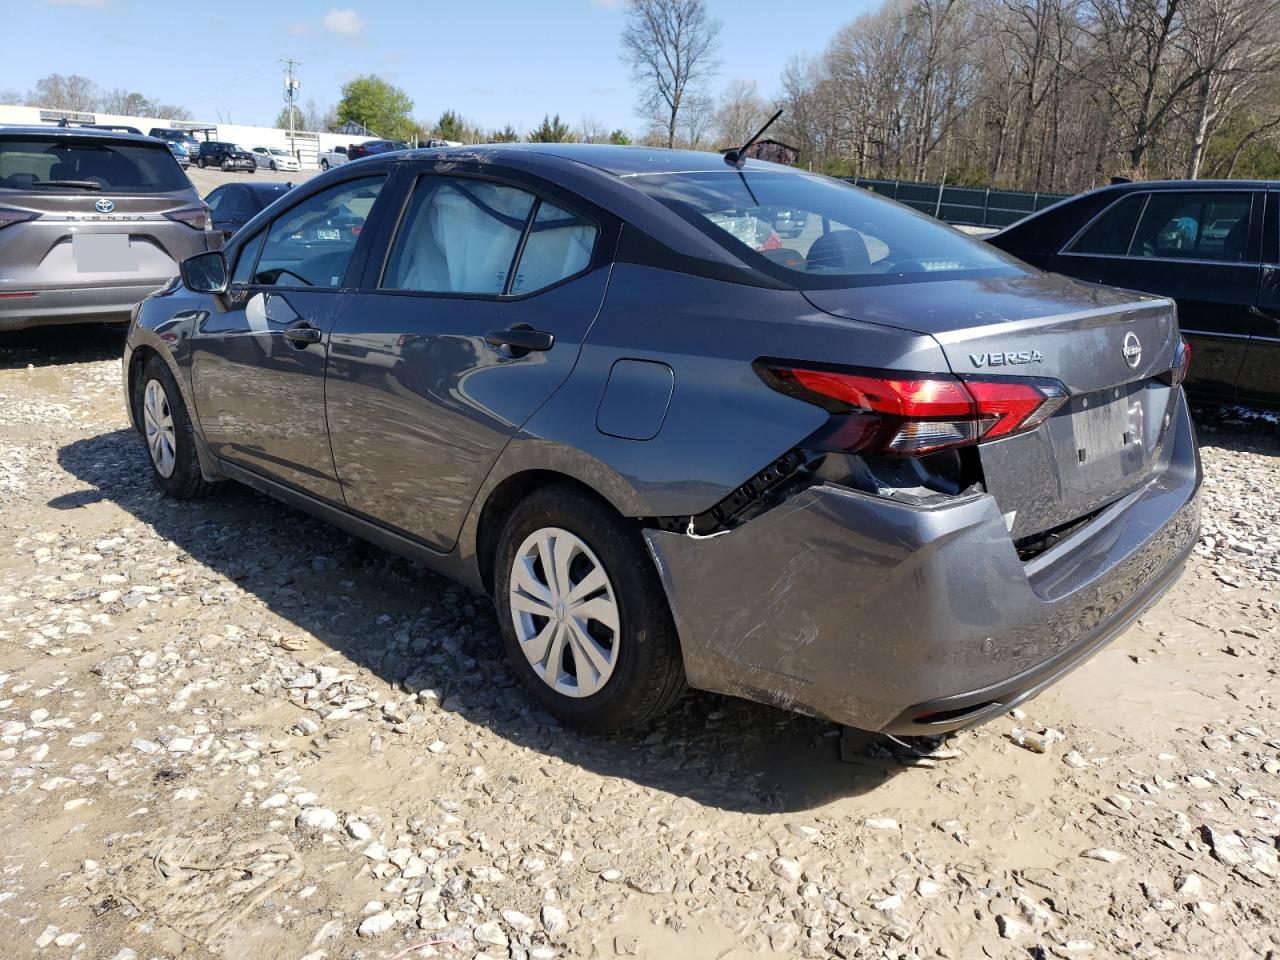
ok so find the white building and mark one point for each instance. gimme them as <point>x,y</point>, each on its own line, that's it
<point>305,145</point>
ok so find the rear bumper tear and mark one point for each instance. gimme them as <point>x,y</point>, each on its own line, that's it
<point>875,613</point>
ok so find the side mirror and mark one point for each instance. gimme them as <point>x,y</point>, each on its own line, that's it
<point>205,272</point>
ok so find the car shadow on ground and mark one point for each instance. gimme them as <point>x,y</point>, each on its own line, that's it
<point>392,616</point>
<point>55,346</point>
<point>1239,427</point>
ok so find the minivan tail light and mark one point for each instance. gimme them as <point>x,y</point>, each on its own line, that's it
<point>10,216</point>
<point>891,413</point>
<point>197,218</point>
<point>1183,364</point>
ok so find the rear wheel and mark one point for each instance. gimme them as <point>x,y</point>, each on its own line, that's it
<point>168,432</point>
<point>324,164</point>
<point>583,615</point>
<point>200,163</point>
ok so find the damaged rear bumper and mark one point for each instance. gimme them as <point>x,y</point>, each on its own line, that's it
<point>915,620</point>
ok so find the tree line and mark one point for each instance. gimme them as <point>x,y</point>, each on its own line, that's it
<point>81,95</point>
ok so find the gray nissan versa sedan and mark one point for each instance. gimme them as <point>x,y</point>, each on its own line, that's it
<point>878,471</point>
<point>91,221</point>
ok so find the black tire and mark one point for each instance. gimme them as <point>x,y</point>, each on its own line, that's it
<point>184,482</point>
<point>648,676</point>
<point>200,163</point>
<point>324,164</point>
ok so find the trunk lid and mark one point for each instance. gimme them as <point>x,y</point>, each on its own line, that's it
<point>1110,348</point>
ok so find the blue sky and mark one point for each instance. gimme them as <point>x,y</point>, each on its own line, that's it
<point>495,61</point>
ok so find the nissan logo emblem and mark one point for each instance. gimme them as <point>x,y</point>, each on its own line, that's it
<point>104,206</point>
<point>1132,350</point>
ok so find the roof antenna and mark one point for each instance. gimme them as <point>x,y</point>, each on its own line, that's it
<point>737,158</point>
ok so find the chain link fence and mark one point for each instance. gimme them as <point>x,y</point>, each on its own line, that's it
<point>970,206</point>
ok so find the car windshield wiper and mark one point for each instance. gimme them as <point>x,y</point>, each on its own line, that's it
<point>77,184</point>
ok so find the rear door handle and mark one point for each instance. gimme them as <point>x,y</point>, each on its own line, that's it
<point>303,334</point>
<point>521,339</point>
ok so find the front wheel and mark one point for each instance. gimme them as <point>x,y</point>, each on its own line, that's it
<point>201,163</point>
<point>324,164</point>
<point>168,432</point>
<point>583,615</point>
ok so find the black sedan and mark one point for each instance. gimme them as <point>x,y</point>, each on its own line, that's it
<point>1212,246</point>
<point>233,205</point>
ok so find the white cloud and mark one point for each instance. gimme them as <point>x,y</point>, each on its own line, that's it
<point>607,4</point>
<point>344,23</point>
<point>299,29</point>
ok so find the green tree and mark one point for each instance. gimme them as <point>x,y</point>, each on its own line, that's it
<point>451,126</point>
<point>380,106</point>
<point>620,138</point>
<point>506,135</point>
<point>551,130</point>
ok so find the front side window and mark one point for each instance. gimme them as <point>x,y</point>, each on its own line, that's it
<point>1112,232</point>
<point>310,245</point>
<point>53,164</point>
<point>815,232</point>
<point>1194,226</point>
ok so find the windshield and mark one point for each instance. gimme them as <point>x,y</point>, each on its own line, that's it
<point>276,152</point>
<point>812,231</point>
<point>238,149</point>
<point>35,163</point>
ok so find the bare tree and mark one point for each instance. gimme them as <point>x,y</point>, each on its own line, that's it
<point>741,112</point>
<point>591,130</point>
<point>1230,44</point>
<point>59,92</point>
<point>670,46</point>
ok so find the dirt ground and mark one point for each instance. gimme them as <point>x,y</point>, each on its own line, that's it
<point>228,730</point>
<point>205,180</point>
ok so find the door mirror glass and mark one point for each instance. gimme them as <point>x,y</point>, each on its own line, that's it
<point>205,272</point>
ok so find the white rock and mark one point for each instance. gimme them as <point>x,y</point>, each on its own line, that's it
<point>880,823</point>
<point>319,819</point>
<point>786,868</point>
<point>517,921</point>
<point>376,924</point>
<point>491,933</point>
<point>358,830</point>
<point>1103,854</point>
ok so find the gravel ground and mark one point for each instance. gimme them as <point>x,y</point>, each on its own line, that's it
<point>205,180</point>
<point>227,730</point>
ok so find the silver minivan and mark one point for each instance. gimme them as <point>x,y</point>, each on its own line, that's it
<point>91,221</point>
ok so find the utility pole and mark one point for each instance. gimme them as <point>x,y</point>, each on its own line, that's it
<point>291,85</point>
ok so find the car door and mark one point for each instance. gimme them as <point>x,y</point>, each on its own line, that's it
<point>1199,247</point>
<point>230,208</point>
<point>473,319</point>
<point>258,361</point>
<point>1260,375</point>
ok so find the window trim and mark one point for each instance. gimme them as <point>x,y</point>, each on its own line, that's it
<point>1067,248</point>
<point>385,176</point>
<point>506,296</point>
<point>1251,264</point>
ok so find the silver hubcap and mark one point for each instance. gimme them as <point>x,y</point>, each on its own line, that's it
<point>158,423</point>
<point>565,612</point>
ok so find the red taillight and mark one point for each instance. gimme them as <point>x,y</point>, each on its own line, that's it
<point>197,218</point>
<point>892,414</point>
<point>9,216</point>
<point>1183,363</point>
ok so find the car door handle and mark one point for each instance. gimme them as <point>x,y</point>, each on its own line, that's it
<point>302,334</point>
<point>522,339</point>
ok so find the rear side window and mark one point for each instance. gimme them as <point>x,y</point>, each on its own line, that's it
<point>462,235</point>
<point>55,164</point>
<point>310,245</point>
<point>558,246</point>
<point>1194,226</point>
<point>815,232</point>
<point>1111,233</point>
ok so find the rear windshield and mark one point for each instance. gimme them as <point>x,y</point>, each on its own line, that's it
<point>811,231</point>
<point>34,163</point>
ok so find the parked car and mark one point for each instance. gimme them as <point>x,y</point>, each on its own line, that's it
<point>370,147</point>
<point>91,221</point>
<point>331,158</point>
<point>823,478</point>
<point>273,158</point>
<point>174,135</point>
<point>232,205</point>
<point>179,151</point>
<point>228,156</point>
<point>1211,246</point>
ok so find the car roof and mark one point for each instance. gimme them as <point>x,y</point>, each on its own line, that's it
<point>619,161</point>
<point>1161,185</point>
<point>75,133</point>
